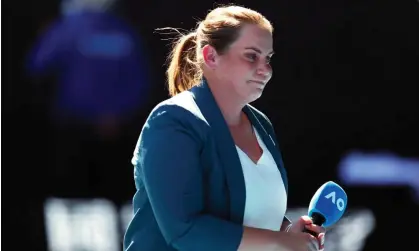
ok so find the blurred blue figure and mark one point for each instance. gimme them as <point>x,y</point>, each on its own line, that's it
<point>102,83</point>
<point>97,57</point>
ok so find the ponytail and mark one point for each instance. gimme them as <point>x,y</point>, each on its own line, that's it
<point>183,72</point>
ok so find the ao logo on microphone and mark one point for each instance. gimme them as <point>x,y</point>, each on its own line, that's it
<point>340,203</point>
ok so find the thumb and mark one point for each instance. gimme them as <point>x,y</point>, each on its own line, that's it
<point>299,225</point>
<point>303,221</point>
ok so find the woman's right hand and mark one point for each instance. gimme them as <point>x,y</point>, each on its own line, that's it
<point>298,241</point>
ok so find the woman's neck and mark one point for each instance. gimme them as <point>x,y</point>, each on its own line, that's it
<point>230,107</point>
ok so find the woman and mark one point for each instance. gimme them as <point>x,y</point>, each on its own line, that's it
<point>208,171</point>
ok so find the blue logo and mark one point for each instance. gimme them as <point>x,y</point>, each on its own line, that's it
<point>330,201</point>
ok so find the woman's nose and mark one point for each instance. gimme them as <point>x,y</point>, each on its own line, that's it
<point>264,70</point>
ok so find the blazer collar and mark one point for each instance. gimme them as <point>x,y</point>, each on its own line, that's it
<point>226,147</point>
<point>268,139</point>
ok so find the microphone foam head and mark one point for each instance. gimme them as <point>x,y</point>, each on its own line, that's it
<point>330,201</point>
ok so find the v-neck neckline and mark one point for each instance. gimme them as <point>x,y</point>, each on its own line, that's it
<point>260,142</point>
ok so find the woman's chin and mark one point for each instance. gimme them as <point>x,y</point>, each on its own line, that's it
<point>255,94</point>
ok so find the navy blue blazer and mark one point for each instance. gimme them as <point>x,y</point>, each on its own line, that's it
<point>190,185</point>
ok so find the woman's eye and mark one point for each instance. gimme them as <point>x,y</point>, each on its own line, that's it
<point>252,57</point>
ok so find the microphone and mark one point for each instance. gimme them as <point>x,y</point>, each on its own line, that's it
<point>327,205</point>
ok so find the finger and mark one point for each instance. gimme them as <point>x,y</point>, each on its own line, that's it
<point>305,220</point>
<point>313,243</point>
<point>315,228</point>
<point>300,224</point>
<point>321,239</point>
<point>314,246</point>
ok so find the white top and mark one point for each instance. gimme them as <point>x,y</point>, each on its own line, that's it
<point>266,198</point>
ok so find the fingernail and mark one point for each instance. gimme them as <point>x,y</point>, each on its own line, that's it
<point>306,218</point>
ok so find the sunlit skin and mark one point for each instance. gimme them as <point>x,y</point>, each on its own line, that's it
<point>243,71</point>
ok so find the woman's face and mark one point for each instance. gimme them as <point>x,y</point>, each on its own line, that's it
<point>245,67</point>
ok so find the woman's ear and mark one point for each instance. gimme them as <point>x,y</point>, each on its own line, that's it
<point>210,56</point>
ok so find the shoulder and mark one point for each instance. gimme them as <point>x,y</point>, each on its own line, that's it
<point>181,107</point>
<point>173,121</point>
<point>178,115</point>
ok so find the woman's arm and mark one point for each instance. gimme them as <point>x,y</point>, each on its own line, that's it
<point>168,159</point>
<point>259,239</point>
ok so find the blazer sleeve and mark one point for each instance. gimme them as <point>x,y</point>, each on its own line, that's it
<point>169,160</point>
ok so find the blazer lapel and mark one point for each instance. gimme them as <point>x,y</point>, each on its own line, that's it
<point>269,142</point>
<point>226,149</point>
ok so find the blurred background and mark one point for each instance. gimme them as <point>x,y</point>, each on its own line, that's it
<point>81,76</point>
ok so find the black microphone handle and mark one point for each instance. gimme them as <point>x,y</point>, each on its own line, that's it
<point>318,220</point>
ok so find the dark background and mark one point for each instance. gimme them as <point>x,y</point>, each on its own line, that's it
<point>345,77</point>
